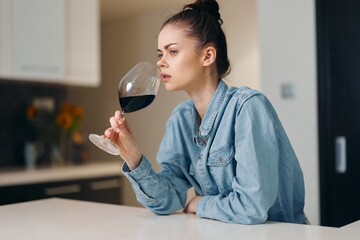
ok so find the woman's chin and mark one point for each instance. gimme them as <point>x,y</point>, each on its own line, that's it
<point>169,87</point>
<point>173,87</point>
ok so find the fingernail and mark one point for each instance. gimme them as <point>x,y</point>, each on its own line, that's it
<point>121,120</point>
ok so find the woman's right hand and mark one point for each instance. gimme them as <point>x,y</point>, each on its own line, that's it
<point>121,135</point>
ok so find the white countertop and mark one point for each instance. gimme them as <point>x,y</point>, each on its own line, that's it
<point>69,219</point>
<point>353,226</point>
<point>19,177</point>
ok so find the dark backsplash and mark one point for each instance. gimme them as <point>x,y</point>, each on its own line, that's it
<point>15,97</point>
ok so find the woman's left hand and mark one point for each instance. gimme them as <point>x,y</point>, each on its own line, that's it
<point>120,134</point>
<point>192,204</point>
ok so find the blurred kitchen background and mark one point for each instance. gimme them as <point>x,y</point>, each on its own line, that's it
<point>75,51</point>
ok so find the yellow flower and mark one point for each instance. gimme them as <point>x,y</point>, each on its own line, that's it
<point>77,138</point>
<point>64,120</point>
<point>78,112</point>
<point>66,107</point>
<point>31,112</point>
<point>52,126</point>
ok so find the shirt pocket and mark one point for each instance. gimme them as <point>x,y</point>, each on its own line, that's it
<point>222,165</point>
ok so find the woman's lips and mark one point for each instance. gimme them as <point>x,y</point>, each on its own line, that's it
<point>165,77</point>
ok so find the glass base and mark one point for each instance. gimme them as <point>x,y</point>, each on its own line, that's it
<point>104,144</point>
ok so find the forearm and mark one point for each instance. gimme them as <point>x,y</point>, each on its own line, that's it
<point>234,209</point>
<point>155,191</point>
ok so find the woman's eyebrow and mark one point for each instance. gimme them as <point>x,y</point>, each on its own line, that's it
<point>167,46</point>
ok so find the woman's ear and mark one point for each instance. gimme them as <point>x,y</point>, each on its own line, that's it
<point>209,55</point>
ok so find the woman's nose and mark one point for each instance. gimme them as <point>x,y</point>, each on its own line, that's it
<point>161,62</point>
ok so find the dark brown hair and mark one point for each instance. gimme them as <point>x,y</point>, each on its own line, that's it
<point>202,20</point>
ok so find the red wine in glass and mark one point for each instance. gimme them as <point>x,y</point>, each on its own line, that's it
<point>136,90</point>
<point>134,103</point>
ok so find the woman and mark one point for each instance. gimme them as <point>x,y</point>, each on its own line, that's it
<point>227,143</point>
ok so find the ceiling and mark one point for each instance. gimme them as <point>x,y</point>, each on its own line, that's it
<point>112,9</point>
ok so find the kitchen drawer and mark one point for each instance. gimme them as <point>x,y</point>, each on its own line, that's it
<point>104,190</point>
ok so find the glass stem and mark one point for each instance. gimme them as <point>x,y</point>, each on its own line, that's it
<point>122,115</point>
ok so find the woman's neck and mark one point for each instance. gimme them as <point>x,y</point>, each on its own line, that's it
<point>202,96</point>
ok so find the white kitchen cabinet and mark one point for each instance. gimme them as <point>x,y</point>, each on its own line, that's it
<point>38,39</point>
<point>54,41</point>
<point>83,38</point>
<point>5,38</point>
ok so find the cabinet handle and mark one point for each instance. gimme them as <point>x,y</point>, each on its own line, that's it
<point>105,184</point>
<point>40,68</point>
<point>340,154</point>
<point>75,188</point>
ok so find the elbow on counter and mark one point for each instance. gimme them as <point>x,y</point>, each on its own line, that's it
<point>161,207</point>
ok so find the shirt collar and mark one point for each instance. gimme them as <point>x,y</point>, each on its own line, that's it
<point>211,113</point>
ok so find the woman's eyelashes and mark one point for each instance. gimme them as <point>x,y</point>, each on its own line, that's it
<point>171,53</point>
<point>160,55</point>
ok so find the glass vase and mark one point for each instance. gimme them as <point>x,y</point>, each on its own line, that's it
<point>57,156</point>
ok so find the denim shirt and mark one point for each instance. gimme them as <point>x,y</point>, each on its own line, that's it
<point>238,158</point>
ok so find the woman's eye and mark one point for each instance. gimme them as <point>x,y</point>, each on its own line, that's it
<point>173,52</point>
<point>160,55</point>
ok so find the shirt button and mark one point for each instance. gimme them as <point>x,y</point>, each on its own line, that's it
<point>201,142</point>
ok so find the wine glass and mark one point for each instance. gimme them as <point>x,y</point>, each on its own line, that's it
<point>136,90</point>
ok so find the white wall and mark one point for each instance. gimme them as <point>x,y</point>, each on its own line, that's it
<point>287,56</point>
<point>241,29</point>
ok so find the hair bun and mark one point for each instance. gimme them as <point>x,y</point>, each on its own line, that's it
<point>209,6</point>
